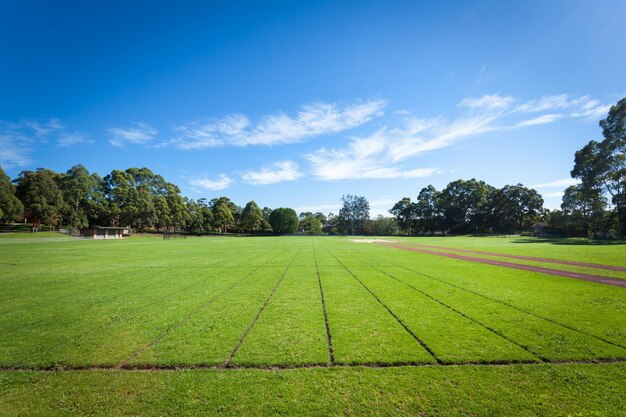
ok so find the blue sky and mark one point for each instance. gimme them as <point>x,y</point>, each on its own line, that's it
<point>297,103</point>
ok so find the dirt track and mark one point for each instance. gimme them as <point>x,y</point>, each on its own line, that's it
<point>526,258</point>
<point>585,277</point>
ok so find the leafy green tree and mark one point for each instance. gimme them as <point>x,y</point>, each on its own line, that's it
<point>179,215</point>
<point>516,207</point>
<point>251,218</point>
<point>465,205</point>
<point>384,226</point>
<point>207,215</point>
<point>602,165</point>
<point>195,219</point>
<point>82,195</point>
<point>426,211</point>
<point>404,213</point>
<point>223,216</point>
<point>11,208</point>
<point>354,214</point>
<point>235,211</point>
<point>162,213</point>
<point>156,184</point>
<point>614,151</point>
<point>123,198</point>
<point>42,199</point>
<point>284,220</point>
<point>311,225</point>
<point>585,208</point>
<point>322,218</point>
<point>304,215</point>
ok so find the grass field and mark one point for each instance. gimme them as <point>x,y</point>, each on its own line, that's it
<point>315,325</point>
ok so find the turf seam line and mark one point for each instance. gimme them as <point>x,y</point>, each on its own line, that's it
<point>494,331</point>
<point>279,367</point>
<point>406,328</point>
<point>194,312</point>
<point>329,338</point>
<point>258,314</point>
<point>510,306</point>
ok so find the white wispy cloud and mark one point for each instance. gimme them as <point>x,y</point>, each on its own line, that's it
<point>138,134</point>
<point>554,194</point>
<point>310,121</point>
<point>14,152</point>
<point>222,182</point>
<point>69,139</point>
<point>570,106</point>
<point>561,183</point>
<point>43,128</point>
<point>377,155</point>
<point>539,120</point>
<point>363,158</point>
<point>19,140</point>
<point>489,102</point>
<point>277,172</point>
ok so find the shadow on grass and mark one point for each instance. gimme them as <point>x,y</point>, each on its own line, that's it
<point>571,241</point>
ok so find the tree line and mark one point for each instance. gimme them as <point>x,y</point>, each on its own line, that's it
<point>140,199</point>
<point>469,206</point>
<point>597,205</point>
<point>136,198</point>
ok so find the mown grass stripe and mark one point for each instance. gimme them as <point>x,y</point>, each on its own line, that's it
<point>490,329</point>
<point>565,326</point>
<point>404,326</point>
<point>256,318</point>
<point>189,316</point>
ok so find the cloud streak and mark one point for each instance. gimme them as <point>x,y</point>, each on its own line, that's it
<point>378,155</point>
<point>279,172</point>
<point>222,182</point>
<point>65,140</point>
<point>363,158</point>
<point>137,134</point>
<point>19,140</point>
<point>562,183</point>
<point>311,120</point>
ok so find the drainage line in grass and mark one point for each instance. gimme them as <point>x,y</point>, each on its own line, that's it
<point>258,314</point>
<point>195,311</point>
<point>281,367</point>
<point>494,331</point>
<point>510,306</point>
<point>329,339</point>
<point>417,339</point>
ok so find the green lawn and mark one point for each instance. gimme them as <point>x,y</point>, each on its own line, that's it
<point>209,325</point>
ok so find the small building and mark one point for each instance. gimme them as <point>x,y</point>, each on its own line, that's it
<point>105,232</point>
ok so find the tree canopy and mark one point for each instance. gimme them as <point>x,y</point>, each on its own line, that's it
<point>601,168</point>
<point>284,220</point>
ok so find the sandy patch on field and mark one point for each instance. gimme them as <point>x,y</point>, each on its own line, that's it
<point>372,241</point>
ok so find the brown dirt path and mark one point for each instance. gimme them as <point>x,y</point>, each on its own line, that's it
<point>585,277</point>
<point>526,258</point>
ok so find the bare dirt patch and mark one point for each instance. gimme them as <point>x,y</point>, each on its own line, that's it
<point>526,258</point>
<point>372,241</point>
<point>585,277</point>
